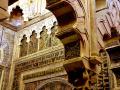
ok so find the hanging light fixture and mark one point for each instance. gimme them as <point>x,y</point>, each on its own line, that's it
<point>16,16</point>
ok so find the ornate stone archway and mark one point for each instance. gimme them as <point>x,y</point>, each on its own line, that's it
<point>71,32</point>
<point>70,15</point>
<point>72,21</point>
<point>55,84</point>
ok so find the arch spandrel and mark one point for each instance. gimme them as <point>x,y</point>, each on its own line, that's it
<point>69,14</point>
<point>72,8</point>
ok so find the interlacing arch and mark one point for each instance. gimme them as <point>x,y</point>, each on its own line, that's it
<point>73,7</point>
<point>70,13</point>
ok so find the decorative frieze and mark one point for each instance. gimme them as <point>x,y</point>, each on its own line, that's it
<point>45,59</point>
<point>43,73</point>
<point>38,60</point>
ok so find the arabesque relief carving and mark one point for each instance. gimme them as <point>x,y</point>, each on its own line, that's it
<point>38,62</point>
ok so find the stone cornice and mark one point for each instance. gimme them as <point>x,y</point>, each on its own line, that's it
<point>46,73</point>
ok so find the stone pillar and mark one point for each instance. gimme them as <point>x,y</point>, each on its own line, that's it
<point>91,9</point>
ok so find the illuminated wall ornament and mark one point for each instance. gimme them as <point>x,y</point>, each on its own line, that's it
<point>16,16</point>
<point>31,8</point>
